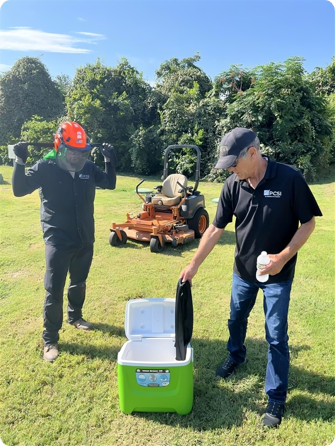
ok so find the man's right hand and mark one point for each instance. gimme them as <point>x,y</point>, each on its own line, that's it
<point>21,151</point>
<point>188,273</point>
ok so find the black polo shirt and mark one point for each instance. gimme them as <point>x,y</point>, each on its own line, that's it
<point>266,217</point>
<point>67,203</point>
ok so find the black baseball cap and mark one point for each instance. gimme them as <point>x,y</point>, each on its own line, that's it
<point>232,145</point>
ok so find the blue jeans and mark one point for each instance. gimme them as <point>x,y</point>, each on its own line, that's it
<point>276,304</point>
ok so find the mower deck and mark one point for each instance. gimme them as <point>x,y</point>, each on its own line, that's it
<point>163,225</point>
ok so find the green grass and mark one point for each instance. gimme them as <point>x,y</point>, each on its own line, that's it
<point>75,400</point>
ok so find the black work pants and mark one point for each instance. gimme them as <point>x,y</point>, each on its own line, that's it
<point>61,260</point>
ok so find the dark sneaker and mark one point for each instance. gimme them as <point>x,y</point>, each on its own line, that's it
<point>81,324</point>
<point>50,352</point>
<point>273,415</point>
<point>227,368</point>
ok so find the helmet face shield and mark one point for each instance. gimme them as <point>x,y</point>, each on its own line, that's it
<point>72,160</point>
<point>72,147</point>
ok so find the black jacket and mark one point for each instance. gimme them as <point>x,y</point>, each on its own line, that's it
<point>67,203</point>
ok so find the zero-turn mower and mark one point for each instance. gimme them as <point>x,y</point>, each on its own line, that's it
<point>174,214</point>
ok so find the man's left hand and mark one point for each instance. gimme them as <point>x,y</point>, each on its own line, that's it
<point>108,153</point>
<point>275,266</point>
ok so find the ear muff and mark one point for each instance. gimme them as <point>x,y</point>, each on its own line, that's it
<point>58,139</point>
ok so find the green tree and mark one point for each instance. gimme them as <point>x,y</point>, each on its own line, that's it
<point>176,75</point>
<point>189,113</point>
<point>234,81</point>
<point>26,90</point>
<point>283,108</point>
<point>64,83</point>
<point>323,79</point>
<point>111,104</point>
<point>146,150</point>
<point>38,130</point>
<point>189,118</point>
<point>328,157</point>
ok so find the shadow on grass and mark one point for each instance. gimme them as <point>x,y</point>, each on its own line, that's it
<point>309,409</point>
<point>110,329</point>
<point>90,351</point>
<point>227,238</point>
<point>224,404</point>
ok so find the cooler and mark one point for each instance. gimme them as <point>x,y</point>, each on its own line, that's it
<point>150,379</point>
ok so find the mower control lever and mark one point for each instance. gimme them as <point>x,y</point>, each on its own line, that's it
<point>139,184</point>
<point>183,189</point>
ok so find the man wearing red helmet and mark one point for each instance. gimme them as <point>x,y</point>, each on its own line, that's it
<point>66,180</point>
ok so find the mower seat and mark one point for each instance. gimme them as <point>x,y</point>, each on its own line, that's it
<point>170,195</point>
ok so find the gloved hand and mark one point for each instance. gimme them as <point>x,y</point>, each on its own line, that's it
<point>21,151</point>
<point>108,153</point>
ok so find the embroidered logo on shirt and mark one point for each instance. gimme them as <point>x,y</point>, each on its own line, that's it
<point>272,193</point>
<point>84,177</point>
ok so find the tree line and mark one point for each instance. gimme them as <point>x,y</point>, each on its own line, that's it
<point>291,111</point>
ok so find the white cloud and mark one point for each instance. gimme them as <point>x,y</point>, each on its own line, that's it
<point>27,39</point>
<point>94,37</point>
<point>97,36</point>
<point>3,68</point>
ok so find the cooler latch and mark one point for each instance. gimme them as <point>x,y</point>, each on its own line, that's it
<point>136,338</point>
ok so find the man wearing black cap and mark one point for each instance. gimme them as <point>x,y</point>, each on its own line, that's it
<point>274,210</point>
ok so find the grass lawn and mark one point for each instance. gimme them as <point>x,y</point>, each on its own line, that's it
<point>74,401</point>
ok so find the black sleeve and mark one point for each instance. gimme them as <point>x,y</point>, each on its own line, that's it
<point>304,203</point>
<point>24,183</point>
<point>107,179</point>
<point>224,211</point>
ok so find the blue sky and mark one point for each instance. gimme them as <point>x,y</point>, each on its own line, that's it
<point>67,34</point>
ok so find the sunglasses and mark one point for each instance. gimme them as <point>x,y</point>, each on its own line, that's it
<point>236,161</point>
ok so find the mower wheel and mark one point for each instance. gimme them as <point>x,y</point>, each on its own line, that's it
<point>199,223</point>
<point>155,245</point>
<point>114,239</point>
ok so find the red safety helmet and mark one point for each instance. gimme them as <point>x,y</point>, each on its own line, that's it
<point>72,147</point>
<point>72,136</point>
